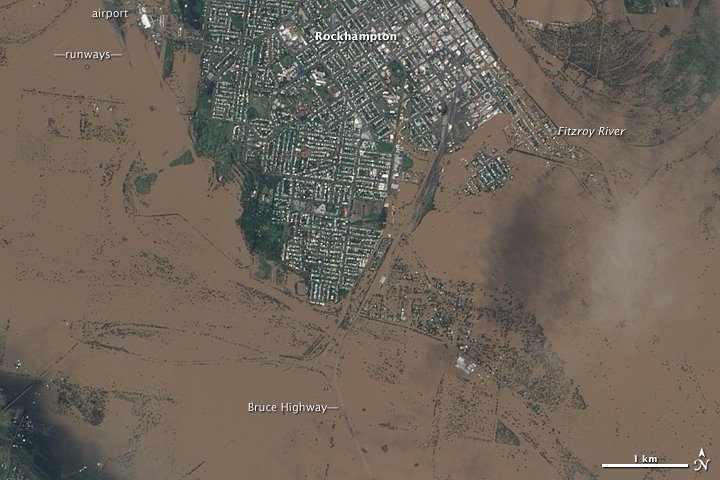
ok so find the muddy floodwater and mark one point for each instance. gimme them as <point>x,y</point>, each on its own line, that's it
<point>555,10</point>
<point>135,327</point>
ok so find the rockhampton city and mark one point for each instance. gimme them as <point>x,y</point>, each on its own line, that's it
<point>287,408</point>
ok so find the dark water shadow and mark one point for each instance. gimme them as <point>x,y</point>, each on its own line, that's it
<point>32,446</point>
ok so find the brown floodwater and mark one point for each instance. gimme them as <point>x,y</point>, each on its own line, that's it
<point>151,303</point>
<point>570,11</point>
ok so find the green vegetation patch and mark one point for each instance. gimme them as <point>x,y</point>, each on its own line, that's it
<point>195,46</point>
<point>237,21</point>
<point>185,158</point>
<point>286,60</point>
<point>143,182</point>
<point>175,8</point>
<point>384,147</point>
<point>639,7</point>
<point>204,102</point>
<point>324,94</point>
<point>265,267</point>
<point>167,58</point>
<point>212,138</point>
<point>192,13</point>
<point>262,233</point>
<point>407,163</point>
<point>381,104</point>
<point>259,107</point>
<point>305,96</point>
<point>398,72</point>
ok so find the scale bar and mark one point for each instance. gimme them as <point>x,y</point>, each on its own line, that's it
<point>644,465</point>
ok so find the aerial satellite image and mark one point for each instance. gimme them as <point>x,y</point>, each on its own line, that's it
<point>359,239</point>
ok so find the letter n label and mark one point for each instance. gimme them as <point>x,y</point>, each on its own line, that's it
<point>703,464</point>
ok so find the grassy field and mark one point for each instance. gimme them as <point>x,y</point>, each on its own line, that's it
<point>212,138</point>
<point>259,107</point>
<point>185,158</point>
<point>637,6</point>
<point>167,58</point>
<point>143,182</point>
<point>407,163</point>
<point>264,268</point>
<point>261,232</point>
<point>384,147</point>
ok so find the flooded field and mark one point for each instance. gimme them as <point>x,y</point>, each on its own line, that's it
<point>607,286</point>
<point>139,327</point>
<point>126,286</point>
<point>554,10</point>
